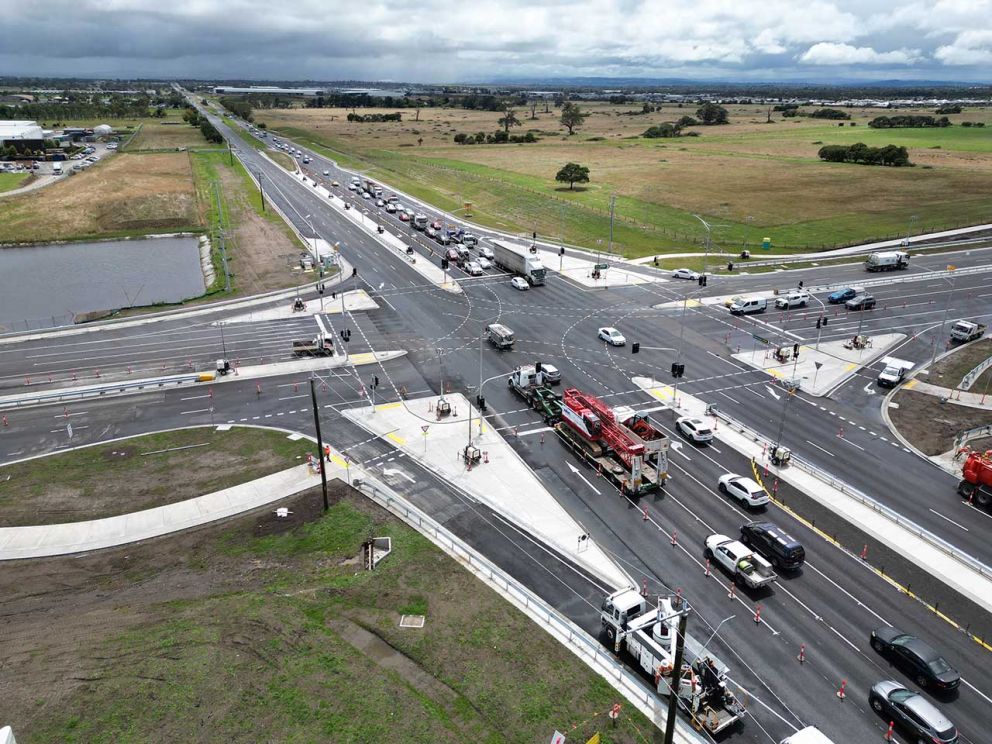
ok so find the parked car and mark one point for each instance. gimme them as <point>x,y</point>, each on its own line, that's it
<point>912,713</point>
<point>844,294</point>
<point>916,658</point>
<point>685,274</point>
<point>860,302</point>
<point>612,336</point>
<point>694,428</point>
<point>784,551</point>
<point>745,490</point>
<point>518,282</point>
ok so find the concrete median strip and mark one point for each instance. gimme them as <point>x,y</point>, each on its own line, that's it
<point>901,536</point>
<point>501,480</point>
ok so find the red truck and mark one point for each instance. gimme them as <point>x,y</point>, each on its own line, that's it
<point>976,478</point>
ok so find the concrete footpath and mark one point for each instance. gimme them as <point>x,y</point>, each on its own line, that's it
<point>899,537</point>
<point>501,480</point>
<point>353,301</point>
<point>817,372</point>
<point>40,541</point>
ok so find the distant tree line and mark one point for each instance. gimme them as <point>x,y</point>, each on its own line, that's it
<point>973,123</point>
<point>908,120</point>
<point>238,106</point>
<point>81,107</point>
<point>860,153</point>
<point>949,108</point>
<point>192,117</point>
<point>790,110</point>
<point>670,128</point>
<point>494,138</point>
<point>365,118</point>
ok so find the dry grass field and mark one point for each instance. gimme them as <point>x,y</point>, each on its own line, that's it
<point>749,168</point>
<point>167,135</point>
<point>123,194</point>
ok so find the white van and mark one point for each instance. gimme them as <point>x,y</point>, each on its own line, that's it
<point>748,305</point>
<point>808,735</point>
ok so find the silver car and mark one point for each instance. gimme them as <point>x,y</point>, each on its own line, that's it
<point>912,713</point>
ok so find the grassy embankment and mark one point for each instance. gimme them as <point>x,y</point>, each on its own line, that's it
<point>124,477</point>
<point>11,181</point>
<point>769,172</point>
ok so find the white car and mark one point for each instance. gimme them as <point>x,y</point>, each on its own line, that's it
<point>327,173</point>
<point>745,490</point>
<point>552,374</point>
<point>380,203</point>
<point>685,274</point>
<point>485,252</point>
<point>391,208</point>
<point>473,268</point>
<point>352,187</point>
<point>518,282</point>
<point>694,428</point>
<point>484,263</point>
<point>366,195</point>
<point>335,184</point>
<point>612,336</point>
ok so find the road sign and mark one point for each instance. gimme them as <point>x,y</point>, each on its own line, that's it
<point>601,267</point>
<point>424,428</point>
<point>558,738</point>
<point>68,430</point>
<point>818,364</point>
<point>756,337</point>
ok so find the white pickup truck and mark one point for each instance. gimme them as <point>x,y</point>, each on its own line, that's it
<point>747,567</point>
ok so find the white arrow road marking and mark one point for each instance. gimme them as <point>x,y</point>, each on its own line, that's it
<point>772,393</point>
<point>397,471</point>
<point>576,471</point>
<point>677,447</point>
<point>869,388</point>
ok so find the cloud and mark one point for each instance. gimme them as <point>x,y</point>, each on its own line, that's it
<point>827,53</point>
<point>452,40</point>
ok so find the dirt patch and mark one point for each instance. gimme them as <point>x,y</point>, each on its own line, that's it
<point>220,635</point>
<point>124,193</point>
<point>930,425</point>
<point>138,474</point>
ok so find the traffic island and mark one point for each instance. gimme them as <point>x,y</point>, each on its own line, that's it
<point>819,368</point>
<point>492,472</point>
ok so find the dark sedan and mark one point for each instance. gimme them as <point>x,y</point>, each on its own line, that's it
<point>917,658</point>
<point>861,302</point>
<point>912,713</point>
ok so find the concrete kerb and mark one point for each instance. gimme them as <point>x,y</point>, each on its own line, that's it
<point>588,649</point>
<point>911,544</point>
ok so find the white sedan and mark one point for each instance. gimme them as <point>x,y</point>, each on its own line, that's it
<point>612,336</point>
<point>483,262</point>
<point>685,274</point>
<point>694,428</point>
<point>518,282</point>
<point>745,490</point>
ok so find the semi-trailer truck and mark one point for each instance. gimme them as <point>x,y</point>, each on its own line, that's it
<point>518,259</point>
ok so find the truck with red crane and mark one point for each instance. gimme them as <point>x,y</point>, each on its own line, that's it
<point>626,448</point>
<point>976,478</point>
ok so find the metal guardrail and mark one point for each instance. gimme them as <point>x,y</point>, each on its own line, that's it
<point>966,436</point>
<point>556,624</point>
<point>938,542</point>
<point>96,391</point>
<point>969,379</point>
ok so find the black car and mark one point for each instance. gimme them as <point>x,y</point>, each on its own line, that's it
<point>861,302</point>
<point>912,713</point>
<point>775,544</point>
<point>915,657</point>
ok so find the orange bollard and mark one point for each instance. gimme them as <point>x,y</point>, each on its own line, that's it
<point>258,388</point>
<point>27,380</point>
<point>129,370</point>
<point>675,537</point>
<point>210,392</point>
<point>864,552</point>
<point>98,373</point>
<point>5,421</point>
<point>840,693</point>
<point>757,614</point>
<point>644,587</point>
<point>707,571</point>
<point>732,594</point>
<point>802,653</point>
<point>644,513</point>
<point>888,734</point>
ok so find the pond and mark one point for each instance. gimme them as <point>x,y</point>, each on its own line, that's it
<point>48,285</point>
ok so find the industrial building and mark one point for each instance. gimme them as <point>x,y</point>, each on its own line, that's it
<point>264,89</point>
<point>21,134</point>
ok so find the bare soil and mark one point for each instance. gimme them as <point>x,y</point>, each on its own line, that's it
<point>949,370</point>
<point>930,425</point>
<point>262,629</point>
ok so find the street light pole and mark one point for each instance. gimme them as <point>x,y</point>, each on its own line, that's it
<point>673,696</point>
<point>943,320</point>
<point>747,224</point>
<point>320,443</point>
<point>613,202</point>
<point>261,194</point>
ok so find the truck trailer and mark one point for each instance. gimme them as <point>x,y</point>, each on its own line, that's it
<point>517,259</point>
<point>530,383</point>
<point>318,346</point>
<point>887,261</point>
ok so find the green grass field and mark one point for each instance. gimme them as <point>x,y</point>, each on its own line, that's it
<point>11,181</point>
<point>751,179</point>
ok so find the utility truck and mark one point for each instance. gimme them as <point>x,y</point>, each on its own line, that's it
<point>887,261</point>
<point>623,445</point>
<point>964,331</point>
<point>517,259</point>
<point>746,567</point>
<point>976,478</point>
<point>530,383</point>
<point>318,346</point>
<point>648,633</point>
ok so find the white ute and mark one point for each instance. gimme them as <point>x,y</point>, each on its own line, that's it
<point>747,567</point>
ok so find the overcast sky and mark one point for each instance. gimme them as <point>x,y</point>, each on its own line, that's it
<point>465,40</point>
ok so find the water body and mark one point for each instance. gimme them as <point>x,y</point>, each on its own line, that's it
<point>46,285</point>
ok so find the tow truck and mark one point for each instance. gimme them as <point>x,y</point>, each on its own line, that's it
<point>976,478</point>
<point>648,634</point>
<point>530,383</point>
<point>626,448</point>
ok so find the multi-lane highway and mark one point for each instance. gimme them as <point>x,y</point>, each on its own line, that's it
<point>831,606</point>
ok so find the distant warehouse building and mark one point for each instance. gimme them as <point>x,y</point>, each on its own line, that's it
<point>24,135</point>
<point>263,89</point>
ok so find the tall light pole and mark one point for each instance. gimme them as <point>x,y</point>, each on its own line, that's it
<point>747,223</point>
<point>819,322</point>
<point>320,444</point>
<point>613,203</point>
<point>715,631</point>
<point>261,194</point>
<point>561,237</point>
<point>943,320</point>
<point>673,697</point>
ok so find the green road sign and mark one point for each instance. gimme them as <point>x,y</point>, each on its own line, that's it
<point>756,337</point>
<point>601,267</point>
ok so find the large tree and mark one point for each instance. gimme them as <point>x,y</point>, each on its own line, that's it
<point>571,116</point>
<point>508,119</point>
<point>710,113</point>
<point>573,173</point>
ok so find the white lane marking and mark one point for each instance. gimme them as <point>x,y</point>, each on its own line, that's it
<point>751,389</point>
<point>820,448</point>
<point>534,431</point>
<point>852,443</point>
<point>772,393</point>
<point>575,471</point>
<point>956,524</point>
<point>68,415</point>
<point>677,448</point>
<point>195,397</point>
<point>291,397</point>
<point>198,410</point>
<point>733,400</point>
<point>74,428</point>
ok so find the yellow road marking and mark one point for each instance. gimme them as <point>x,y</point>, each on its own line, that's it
<point>910,384</point>
<point>387,406</point>
<point>396,438</point>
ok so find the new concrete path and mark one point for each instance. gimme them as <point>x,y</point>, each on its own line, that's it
<point>505,483</point>
<point>957,397</point>
<point>353,301</point>
<point>902,539</point>
<point>41,541</point>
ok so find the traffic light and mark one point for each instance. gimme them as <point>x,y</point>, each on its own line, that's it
<point>705,279</point>
<point>795,350</point>
<point>480,401</point>
<point>320,289</point>
<point>354,271</point>
<point>538,367</point>
<point>700,280</point>
<point>678,369</point>
<point>561,251</point>
<point>346,334</point>
<point>444,262</point>
<point>819,323</point>
<point>635,348</point>
<point>800,284</point>
<point>375,381</point>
